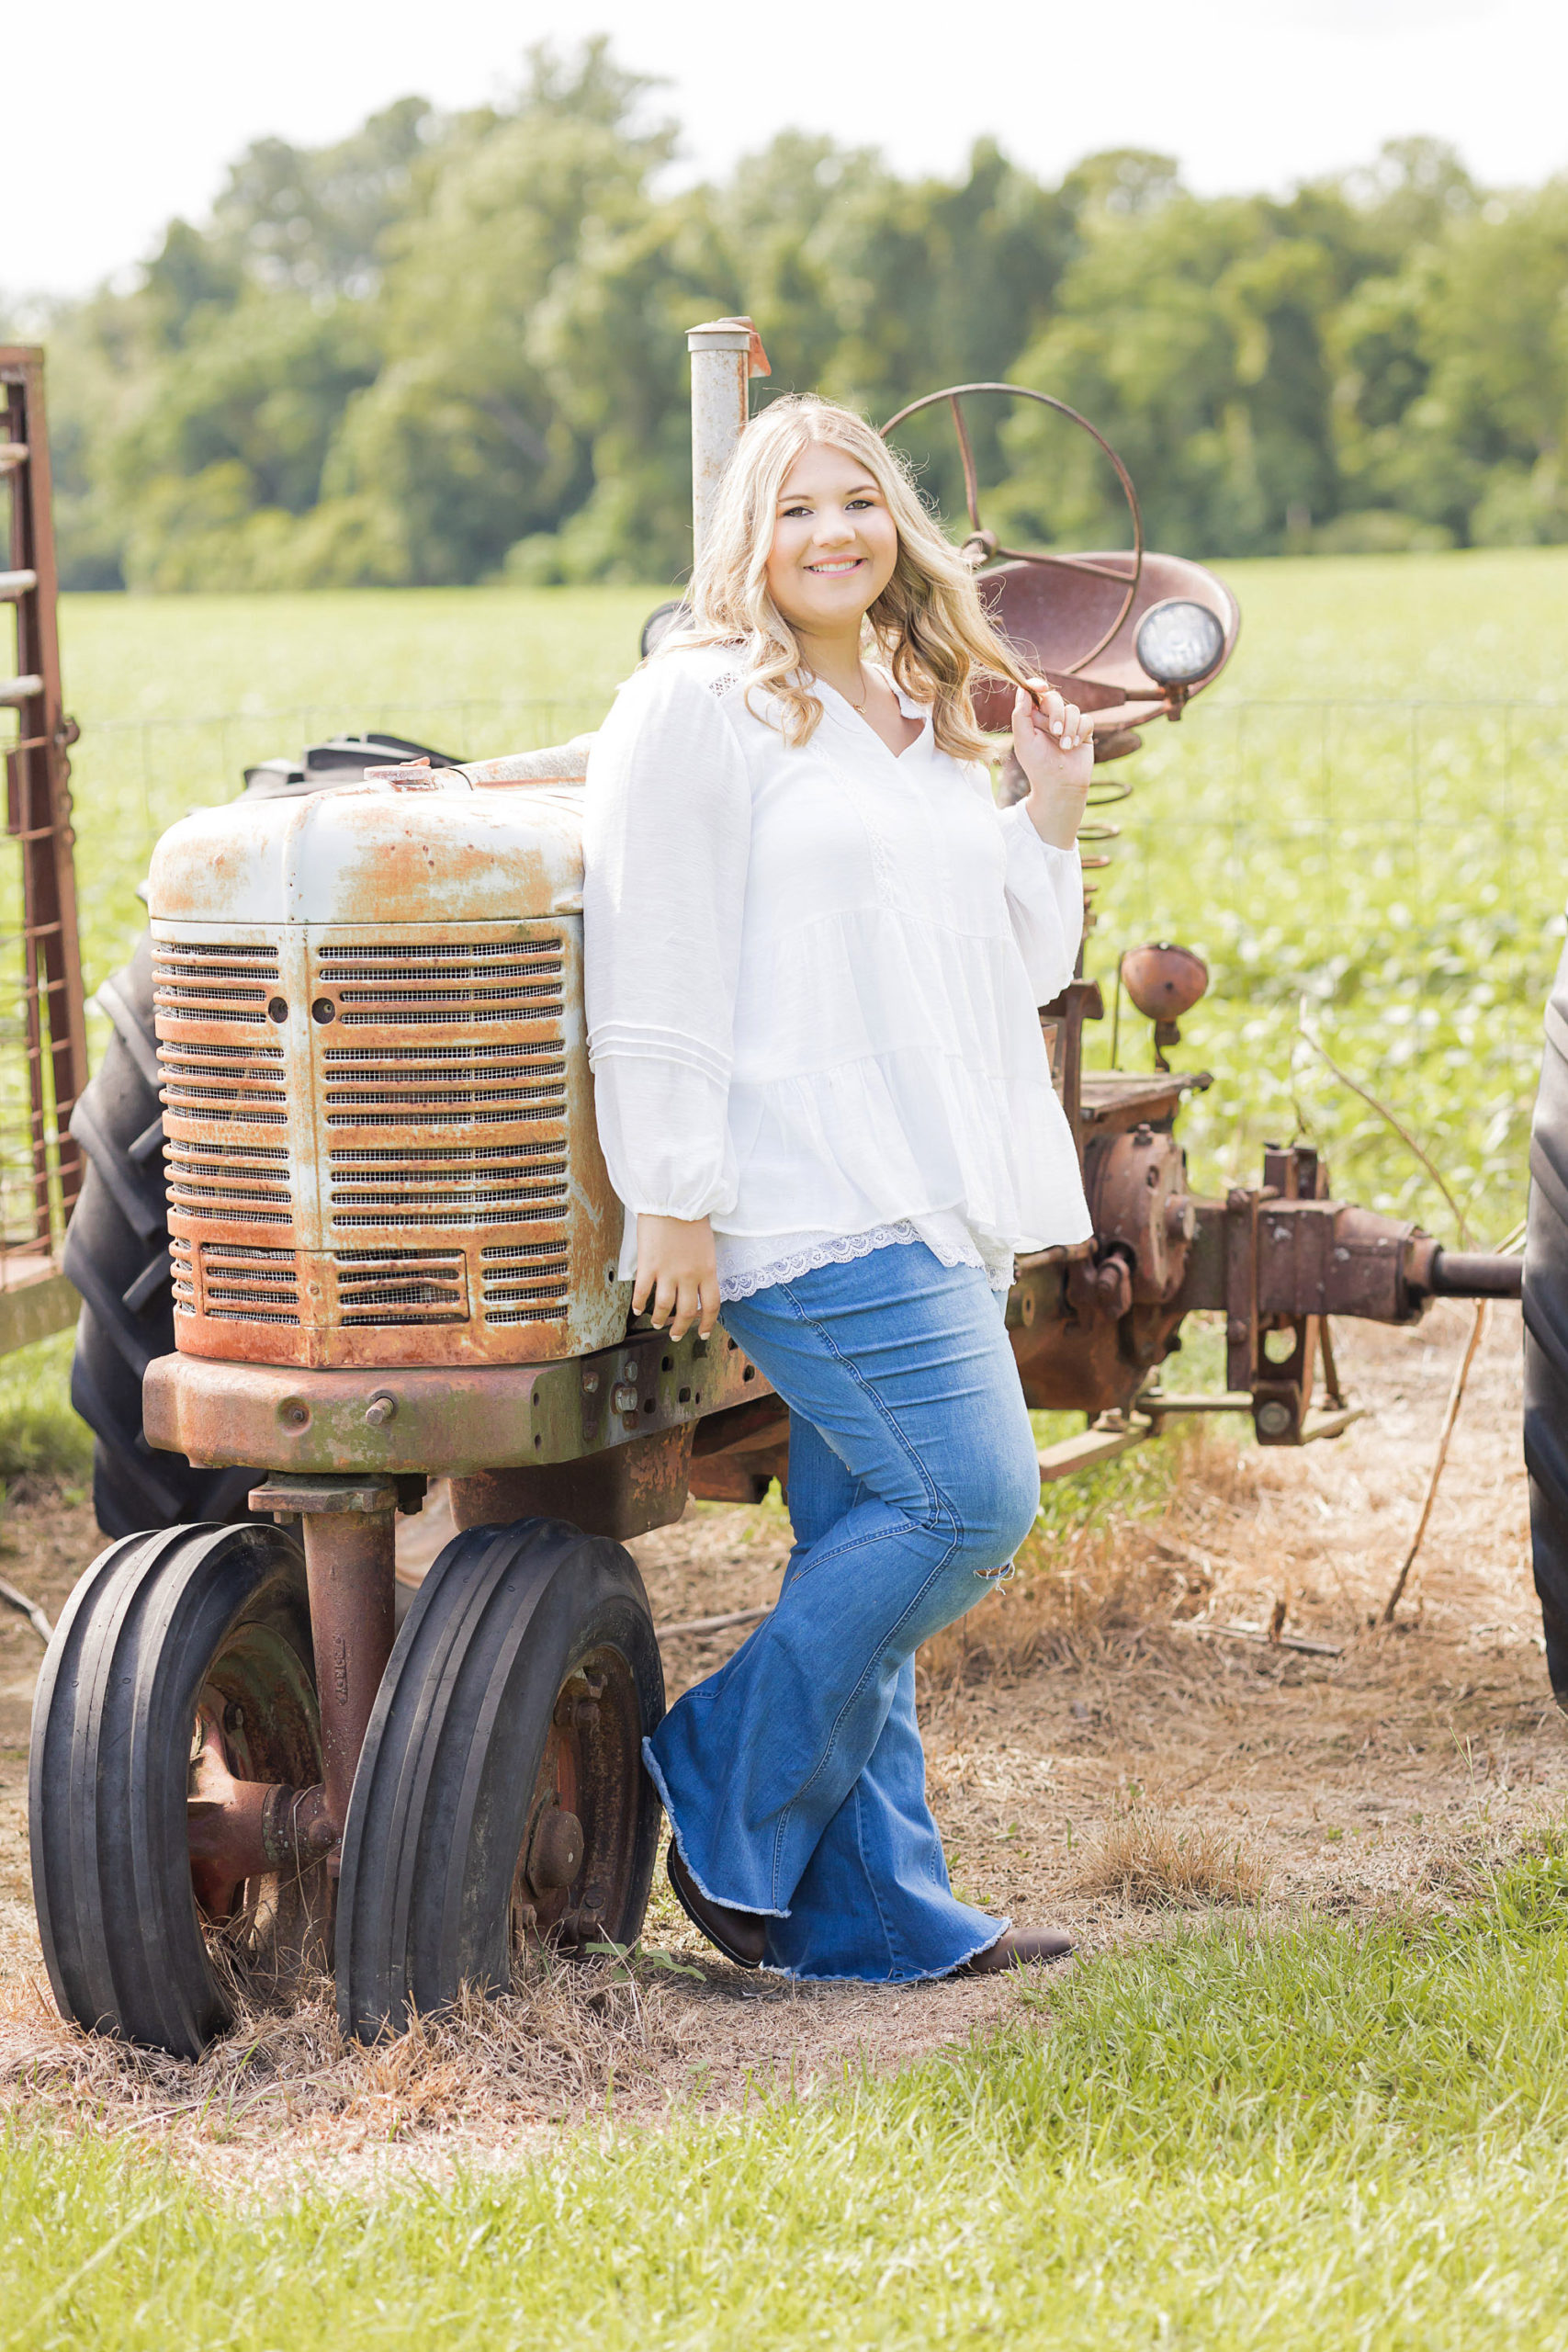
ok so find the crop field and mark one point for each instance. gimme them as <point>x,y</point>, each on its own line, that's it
<point>1362,828</point>
<point>1302,2088</point>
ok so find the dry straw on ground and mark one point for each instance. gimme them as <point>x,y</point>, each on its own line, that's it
<point>1144,1858</point>
<point>560,2043</point>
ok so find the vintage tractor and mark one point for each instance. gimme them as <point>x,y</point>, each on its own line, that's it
<point>394,1248</point>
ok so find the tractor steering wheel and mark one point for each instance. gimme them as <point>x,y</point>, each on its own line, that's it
<point>982,546</point>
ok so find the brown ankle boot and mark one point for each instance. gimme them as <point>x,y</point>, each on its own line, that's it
<point>740,1936</point>
<point>1016,1949</point>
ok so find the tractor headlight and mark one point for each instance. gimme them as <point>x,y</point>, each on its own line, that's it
<point>1179,642</point>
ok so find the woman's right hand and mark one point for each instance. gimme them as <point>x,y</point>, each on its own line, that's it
<point>677,1274</point>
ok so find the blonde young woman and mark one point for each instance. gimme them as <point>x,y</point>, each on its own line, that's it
<point>815,952</point>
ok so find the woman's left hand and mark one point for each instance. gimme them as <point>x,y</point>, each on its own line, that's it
<point>1055,750</point>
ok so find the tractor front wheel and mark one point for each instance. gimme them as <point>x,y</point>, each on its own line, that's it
<point>500,1800</point>
<point>180,1657</point>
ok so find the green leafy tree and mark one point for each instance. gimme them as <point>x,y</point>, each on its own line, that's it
<point>459,435</point>
<point>317,219</point>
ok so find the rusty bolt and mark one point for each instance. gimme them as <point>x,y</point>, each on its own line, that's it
<point>320,1832</point>
<point>555,1850</point>
<point>323,1010</point>
<point>590,1384</point>
<point>1180,1219</point>
<point>381,1410</point>
<point>1113,1285</point>
<point>1274,1418</point>
<point>623,1396</point>
<point>294,1413</point>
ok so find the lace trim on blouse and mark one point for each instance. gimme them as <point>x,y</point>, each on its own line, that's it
<point>839,1251</point>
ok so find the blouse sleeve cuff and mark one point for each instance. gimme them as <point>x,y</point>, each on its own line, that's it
<point>1023,839</point>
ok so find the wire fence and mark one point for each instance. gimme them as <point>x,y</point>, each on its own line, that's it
<point>136,777</point>
<point>1346,813</point>
<point>1398,867</point>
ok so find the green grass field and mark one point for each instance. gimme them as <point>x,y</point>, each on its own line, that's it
<point>1342,2136</point>
<point>1367,813</point>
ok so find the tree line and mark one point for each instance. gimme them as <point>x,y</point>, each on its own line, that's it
<point>450,348</point>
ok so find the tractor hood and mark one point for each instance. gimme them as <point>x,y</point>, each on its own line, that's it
<point>443,847</point>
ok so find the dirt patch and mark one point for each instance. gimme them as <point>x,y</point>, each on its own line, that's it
<point>1098,1754</point>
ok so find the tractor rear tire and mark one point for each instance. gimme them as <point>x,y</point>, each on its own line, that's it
<point>117,1254</point>
<point>500,1800</point>
<point>1546,1339</point>
<point>162,1629</point>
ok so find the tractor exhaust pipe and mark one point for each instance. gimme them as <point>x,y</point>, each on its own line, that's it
<point>726,354</point>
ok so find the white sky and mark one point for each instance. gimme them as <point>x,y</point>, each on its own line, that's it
<point>117,116</point>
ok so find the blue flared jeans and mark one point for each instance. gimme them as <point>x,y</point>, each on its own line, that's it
<point>794,1778</point>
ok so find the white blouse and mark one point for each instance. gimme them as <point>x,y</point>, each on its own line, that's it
<point>812,978</point>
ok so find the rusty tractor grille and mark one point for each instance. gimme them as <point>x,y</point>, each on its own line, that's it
<point>242,1082</point>
<point>499,1186</point>
<point>382,1287</point>
<point>198,982</point>
<point>400,1167</point>
<point>449,982</point>
<point>524,1282</point>
<point>230,1181</point>
<point>445,1086</point>
<point>241,1284</point>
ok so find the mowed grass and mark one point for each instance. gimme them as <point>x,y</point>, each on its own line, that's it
<point>1366,815</point>
<point>1343,2135</point>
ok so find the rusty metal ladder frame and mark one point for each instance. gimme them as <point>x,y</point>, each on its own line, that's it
<point>35,1297</point>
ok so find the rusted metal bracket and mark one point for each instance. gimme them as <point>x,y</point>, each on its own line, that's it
<point>1158,1402</point>
<point>245,1829</point>
<point>292,1498</point>
<point>1062,1022</point>
<point>1116,1433</point>
<point>1241,1289</point>
<point>451,1420</point>
<point>1111,1434</point>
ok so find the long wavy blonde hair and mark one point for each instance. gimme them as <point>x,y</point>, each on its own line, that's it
<point>928,625</point>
